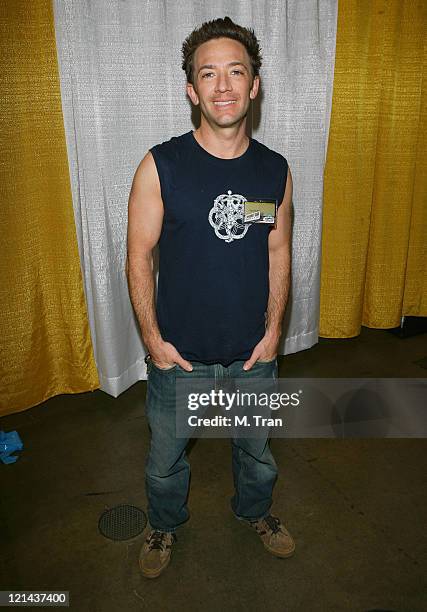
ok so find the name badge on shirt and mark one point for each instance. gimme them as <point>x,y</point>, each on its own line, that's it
<point>260,210</point>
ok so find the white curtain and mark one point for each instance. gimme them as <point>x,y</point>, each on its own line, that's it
<point>123,90</point>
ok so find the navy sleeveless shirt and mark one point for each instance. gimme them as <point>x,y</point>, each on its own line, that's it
<point>213,281</point>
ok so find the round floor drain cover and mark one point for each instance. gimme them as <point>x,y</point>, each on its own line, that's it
<point>122,522</point>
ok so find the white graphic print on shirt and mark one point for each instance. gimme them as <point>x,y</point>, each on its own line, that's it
<point>226,217</point>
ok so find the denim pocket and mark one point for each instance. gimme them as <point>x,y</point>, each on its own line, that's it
<point>151,362</point>
<point>266,362</point>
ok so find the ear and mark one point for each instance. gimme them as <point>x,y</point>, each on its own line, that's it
<point>191,93</point>
<point>254,89</point>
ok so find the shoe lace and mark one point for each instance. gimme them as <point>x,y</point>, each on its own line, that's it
<point>273,522</point>
<point>157,540</point>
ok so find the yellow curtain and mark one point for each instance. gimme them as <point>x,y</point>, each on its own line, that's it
<point>374,249</point>
<point>45,341</point>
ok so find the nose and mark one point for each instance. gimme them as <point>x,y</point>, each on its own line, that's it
<point>223,82</point>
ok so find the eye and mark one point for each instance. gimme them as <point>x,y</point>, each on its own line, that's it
<point>236,71</point>
<point>207,75</point>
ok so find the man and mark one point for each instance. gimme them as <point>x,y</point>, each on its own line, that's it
<point>223,283</point>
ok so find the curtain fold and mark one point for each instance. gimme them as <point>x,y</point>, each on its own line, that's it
<point>374,254</point>
<point>415,294</point>
<point>45,339</point>
<point>123,90</point>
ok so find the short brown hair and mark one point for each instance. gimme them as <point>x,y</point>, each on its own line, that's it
<point>220,28</point>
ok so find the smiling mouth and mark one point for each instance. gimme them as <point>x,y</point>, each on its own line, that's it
<point>223,103</point>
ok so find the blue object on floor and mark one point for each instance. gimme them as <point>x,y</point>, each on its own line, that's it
<point>9,443</point>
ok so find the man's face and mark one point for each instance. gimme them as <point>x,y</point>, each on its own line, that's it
<point>223,83</point>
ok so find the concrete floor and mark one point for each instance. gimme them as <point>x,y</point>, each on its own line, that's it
<point>355,507</point>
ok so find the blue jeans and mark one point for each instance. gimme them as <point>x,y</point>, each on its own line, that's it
<point>167,474</point>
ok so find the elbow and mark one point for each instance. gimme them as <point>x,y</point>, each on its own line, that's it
<point>127,267</point>
<point>137,264</point>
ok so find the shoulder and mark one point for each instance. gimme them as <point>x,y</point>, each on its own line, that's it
<point>172,147</point>
<point>170,155</point>
<point>273,163</point>
<point>270,156</point>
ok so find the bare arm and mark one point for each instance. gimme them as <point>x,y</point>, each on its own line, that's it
<point>279,250</point>
<point>145,218</point>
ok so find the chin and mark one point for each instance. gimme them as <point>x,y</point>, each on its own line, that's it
<point>228,121</point>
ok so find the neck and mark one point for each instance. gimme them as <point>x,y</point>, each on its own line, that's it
<point>223,142</point>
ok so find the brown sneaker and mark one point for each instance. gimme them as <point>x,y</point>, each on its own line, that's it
<point>275,537</point>
<point>156,553</point>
